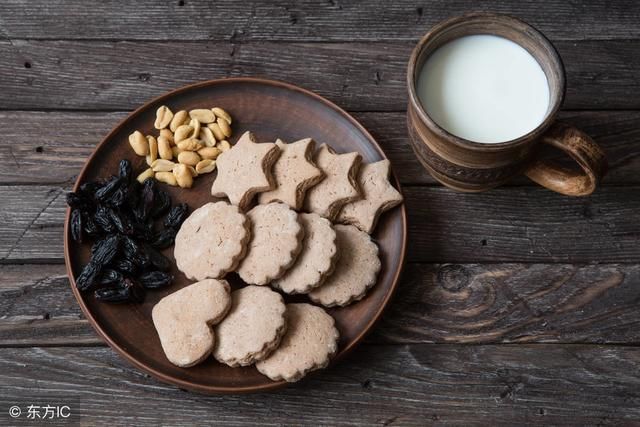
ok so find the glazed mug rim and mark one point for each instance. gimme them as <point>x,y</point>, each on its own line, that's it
<point>507,21</point>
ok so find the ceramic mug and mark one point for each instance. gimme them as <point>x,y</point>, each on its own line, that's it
<point>470,166</point>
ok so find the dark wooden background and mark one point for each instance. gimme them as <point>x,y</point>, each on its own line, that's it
<point>518,306</point>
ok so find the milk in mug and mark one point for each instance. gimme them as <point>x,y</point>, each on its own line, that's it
<point>484,88</point>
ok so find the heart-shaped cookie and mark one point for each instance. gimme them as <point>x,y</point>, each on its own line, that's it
<point>184,319</point>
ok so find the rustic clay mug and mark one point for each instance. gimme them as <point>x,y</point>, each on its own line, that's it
<point>470,166</point>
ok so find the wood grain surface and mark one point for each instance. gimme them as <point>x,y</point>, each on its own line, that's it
<point>517,307</point>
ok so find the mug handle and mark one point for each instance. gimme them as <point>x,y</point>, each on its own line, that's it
<point>583,150</point>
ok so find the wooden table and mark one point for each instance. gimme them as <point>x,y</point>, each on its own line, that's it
<point>517,306</point>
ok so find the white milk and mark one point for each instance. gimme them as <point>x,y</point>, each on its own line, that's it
<point>484,88</point>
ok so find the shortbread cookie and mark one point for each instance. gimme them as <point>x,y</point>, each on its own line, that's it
<point>211,241</point>
<point>183,320</point>
<point>294,173</point>
<point>356,270</point>
<point>316,260</point>
<point>378,196</point>
<point>253,327</point>
<point>339,186</point>
<point>276,240</point>
<point>245,170</point>
<point>310,342</point>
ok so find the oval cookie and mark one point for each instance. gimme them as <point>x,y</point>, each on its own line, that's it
<point>356,269</point>
<point>211,241</point>
<point>253,327</point>
<point>183,320</point>
<point>310,342</point>
<point>316,260</point>
<point>276,238</point>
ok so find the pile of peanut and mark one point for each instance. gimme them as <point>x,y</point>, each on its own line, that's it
<point>187,146</point>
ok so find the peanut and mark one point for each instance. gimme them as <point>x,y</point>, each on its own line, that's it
<point>139,143</point>
<point>183,176</point>
<point>189,144</point>
<point>196,127</point>
<point>205,166</point>
<point>193,171</point>
<point>224,126</point>
<point>202,115</point>
<point>217,132</point>
<point>209,152</point>
<point>153,148</point>
<point>161,165</point>
<point>188,158</point>
<point>207,137</point>
<point>163,117</point>
<point>164,148</point>
<point>182,133</point>
<point>148,159</point>
<point>175,151</point>
<point>178,120</point>
<point>219,112</point>
<point>224,145</point>
<point>148,173</point>
<point>167,178</point>
<point>167,134</point>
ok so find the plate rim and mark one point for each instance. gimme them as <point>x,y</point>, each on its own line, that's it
<point>272,385</point>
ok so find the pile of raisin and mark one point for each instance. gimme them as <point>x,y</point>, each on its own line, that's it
<point>128,223</point>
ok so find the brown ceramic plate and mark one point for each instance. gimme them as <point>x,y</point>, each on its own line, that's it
<point>270,109</point>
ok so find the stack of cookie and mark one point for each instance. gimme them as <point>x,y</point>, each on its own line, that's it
<point>287,240</point>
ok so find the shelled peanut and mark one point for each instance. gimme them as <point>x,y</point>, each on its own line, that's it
<point>187,145</point>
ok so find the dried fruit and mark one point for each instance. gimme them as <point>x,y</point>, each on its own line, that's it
<point>88,277</point>
<point>110,276</point>
<point>76,225</point>
<point>155,279</point>
<point>106,250</point>
<point>163,117</point>
<point>161,204</point>
<point>176,216</point>
<point>125,170</point>
<point>164,238</point>
<point>126,291</point>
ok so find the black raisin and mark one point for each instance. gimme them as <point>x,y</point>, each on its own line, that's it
<point>133,252</point>
<point>142,231</point>
<point>111,185</point>
<point>124,170</point>
<point>76,200</point>
<point>110,276</point>
<point>88,276</point>
<point>121,221</point>
<point>88,189</point>
<point>164,238</point>
<point>176,216</point>
<point>155,279</point>
<point>76,225</point>
<point>133,194</point>
<point>157,260</point>
<point>145,205</point>
<point>125,266</point>
<point>117,198</point>
<point>90,227</point>
<point>161,204</point>
<point>126,291</point>
<point>106,250</point>
<point>103,219</point>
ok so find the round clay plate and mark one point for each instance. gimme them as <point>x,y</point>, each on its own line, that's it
<point>270,110</point>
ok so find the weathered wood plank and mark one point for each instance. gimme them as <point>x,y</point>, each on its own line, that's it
<point>298,20</point>
<point>51,147</point>
<point>383,385</point>
<point>450,303</point>
<point>358,76</point>
<point>519,224</point>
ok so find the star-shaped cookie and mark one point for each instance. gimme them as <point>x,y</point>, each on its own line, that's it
<point>294,173</point>
<point>245,170</point>
<point>378,196</point>
<point>339,186</point>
